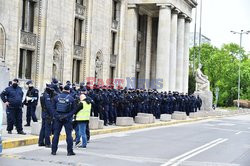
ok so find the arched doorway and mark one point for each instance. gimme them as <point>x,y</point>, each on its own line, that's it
<point>57,67</point>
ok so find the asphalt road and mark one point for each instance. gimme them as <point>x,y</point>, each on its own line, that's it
<point>222,142</point>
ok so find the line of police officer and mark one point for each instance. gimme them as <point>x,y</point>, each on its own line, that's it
<point>59,104</point>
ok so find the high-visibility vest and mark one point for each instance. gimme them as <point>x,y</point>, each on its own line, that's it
<point>84,114</point>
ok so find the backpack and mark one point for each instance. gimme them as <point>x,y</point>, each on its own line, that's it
<point>63,105</point>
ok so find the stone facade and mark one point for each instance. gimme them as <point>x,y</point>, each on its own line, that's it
<point>77,39</point>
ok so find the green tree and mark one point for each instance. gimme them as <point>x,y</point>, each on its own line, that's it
<point>222,67</point>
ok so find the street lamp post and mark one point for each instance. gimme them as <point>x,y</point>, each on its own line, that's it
<point>241,33</point>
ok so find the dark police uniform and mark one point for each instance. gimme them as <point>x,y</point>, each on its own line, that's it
<point>31,103</point>
<point>47,105</point>
<point>65,108</point>
<point>14,96</point>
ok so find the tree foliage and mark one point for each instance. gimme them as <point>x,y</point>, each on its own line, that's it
<point>221,65</point>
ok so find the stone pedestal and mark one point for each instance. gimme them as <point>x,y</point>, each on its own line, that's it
<point>35,128</point>
<point>165,117</point>
<point>94,123</point>
<point>151,117</point>
<point>124,121</point>
<point>100,124</point>
<point>142,120</point>
<point>179,115</point>
<point>194,115</point>
<point>207,99</point>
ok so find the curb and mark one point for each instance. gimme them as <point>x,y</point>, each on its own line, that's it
<point>31,140</point>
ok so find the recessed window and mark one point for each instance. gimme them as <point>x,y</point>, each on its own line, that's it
<point>76,71</point>
<point>25,64</point>
<point>78,32</point>
<point>80,2</point>
<point>28,15</point>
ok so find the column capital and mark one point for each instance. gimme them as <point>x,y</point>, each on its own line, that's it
<point>188,20</point>
<point>182,15</point>
<point>176,11</point>
<point>132,6</point>
<point>165,5</point>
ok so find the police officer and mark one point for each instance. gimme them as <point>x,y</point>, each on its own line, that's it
<point>82,117</point>
<point>12,97</point>
<point>46,100</point>
<point>64,109</point>
<point>54,83</point>
<point>30,101</point>
<point>198,103</point>
<point>105,106</point>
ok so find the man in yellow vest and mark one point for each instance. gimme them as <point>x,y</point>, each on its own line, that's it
<point>82,118</point>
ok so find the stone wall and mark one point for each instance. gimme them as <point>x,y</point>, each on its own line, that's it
<point>60,27</point>
<point>54,22</point>
<point>100,35</point>
<point>10,20</point>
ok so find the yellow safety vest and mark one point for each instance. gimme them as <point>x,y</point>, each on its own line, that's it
<point>84,114</point>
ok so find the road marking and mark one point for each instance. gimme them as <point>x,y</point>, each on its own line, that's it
<point>198,152</point>
<point>199,163</point>
<point>195,151</point>
<point>238,132</point>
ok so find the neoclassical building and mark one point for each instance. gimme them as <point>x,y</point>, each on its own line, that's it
<point>77,39</point>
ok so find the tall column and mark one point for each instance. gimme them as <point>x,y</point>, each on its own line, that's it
<point>131,41</point>
<point>148,48</point>
<point>121,39</point>
<point>173,51</point>
<point>163,45</point>
<point>186,56</point>
<point>180,53</point>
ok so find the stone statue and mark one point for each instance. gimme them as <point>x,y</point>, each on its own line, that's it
<point>98,67</point>
<point>202,82</point>
<point>57,53</point>
<point>57,68</point>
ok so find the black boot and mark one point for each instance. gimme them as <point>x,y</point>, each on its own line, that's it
<point>21,133</point>
<point>71,153</point>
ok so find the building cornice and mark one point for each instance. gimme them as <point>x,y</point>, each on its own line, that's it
<point>192,3</point>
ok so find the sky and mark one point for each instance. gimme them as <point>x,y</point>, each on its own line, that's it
<point>219,17</point>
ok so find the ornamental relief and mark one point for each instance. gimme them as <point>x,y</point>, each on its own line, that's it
<point>28,39</point>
